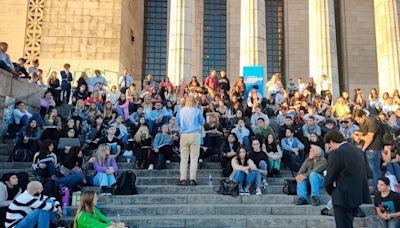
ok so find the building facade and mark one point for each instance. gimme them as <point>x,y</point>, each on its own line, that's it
<point>354,42</point>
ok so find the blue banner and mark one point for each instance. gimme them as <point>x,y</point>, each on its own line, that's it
<point>254,75</point>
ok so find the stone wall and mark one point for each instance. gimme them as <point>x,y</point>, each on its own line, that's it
<point>296,38</point>
<point>84,33</point>
<point>13,25</point>
<point>133,56</point>
<point>20,90</point>
<point>359,46</point>
<point>233,39</point>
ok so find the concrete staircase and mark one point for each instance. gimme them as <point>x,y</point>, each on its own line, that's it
<point>161,203</point>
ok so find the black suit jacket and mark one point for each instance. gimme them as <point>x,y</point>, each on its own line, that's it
<point>347,167</point>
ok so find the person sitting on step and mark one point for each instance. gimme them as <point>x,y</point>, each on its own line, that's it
<point>45,161</point>
<point>260,159</point>
<point>311,172</point>
<point>105,168</point>
<point>88,216</point>
<point>245,173</point>
<point>31,208</point>
<point>162,146</point>
<point>274,153</point>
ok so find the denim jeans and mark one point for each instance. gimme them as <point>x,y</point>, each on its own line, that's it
<point>394,169</point>
<point>392,223</point>
<point>246,143</point>
<point>65,95</point>
<point>242,178</point>
<point>72,181</point>
<point>262,165</point>
<point>316,182</point>
<point>374,162</point>
<point>103,179</point>
<point>274,164</point>
<point>120,112</point>
<point>40,217</point>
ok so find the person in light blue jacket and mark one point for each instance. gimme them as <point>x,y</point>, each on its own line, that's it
<point>162,146</point>
<point>291,144</point>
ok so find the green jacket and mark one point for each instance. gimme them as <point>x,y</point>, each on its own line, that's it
<point>310,165</point>
<point>98,220</point>
<point>262,133</point>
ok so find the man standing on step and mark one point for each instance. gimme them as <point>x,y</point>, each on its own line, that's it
<point>346,179</point>
<point>189,119</point>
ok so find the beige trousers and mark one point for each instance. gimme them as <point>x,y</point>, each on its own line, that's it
<point>190,148</point>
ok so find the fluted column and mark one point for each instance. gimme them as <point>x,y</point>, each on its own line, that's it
<point>180,40</point>
<point>322,38</point>
<point>253,46</point>
<point>387,14</point>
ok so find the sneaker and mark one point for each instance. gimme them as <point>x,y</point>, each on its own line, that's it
<point>246,191</point>
<point>327,212</point>
<point>167,161</point>
<point>151,167</point>
<point>265,183</point>
<point>301,201</point>
<point>315,201</point>
<point>200,160</point>
<point>258,192</point>
<point>103,194</point>
<point>241,192</point>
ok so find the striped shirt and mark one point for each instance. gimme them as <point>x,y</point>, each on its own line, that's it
<point>24,204</point>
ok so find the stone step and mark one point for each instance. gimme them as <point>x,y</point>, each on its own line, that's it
<point>271,221</point>
<point>174,189</point>
<point>200,199</point>
<point>214,209</point>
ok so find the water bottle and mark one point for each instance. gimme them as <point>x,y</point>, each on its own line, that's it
<point>64,210</point>
<point>210,180</point>
<point>118,218</point>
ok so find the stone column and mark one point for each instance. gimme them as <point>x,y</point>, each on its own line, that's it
<point>322,42</point>
<point>387,14</point>
<point>253,45</point>
<point>180,40</point>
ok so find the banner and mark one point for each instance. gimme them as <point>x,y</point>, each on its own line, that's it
<point>254,75</point>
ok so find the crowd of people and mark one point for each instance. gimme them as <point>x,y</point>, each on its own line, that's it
<point>261,134</point>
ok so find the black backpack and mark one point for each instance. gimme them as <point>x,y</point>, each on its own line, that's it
<point>20,155</point>
<point>387,134</point>
<point>290,187</point>
<point>126,184</point>
<point>228,187</point>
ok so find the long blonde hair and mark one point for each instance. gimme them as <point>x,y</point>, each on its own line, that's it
<point>101,154</point>
<point>85,205</point>
<point>138,135</point>
<point>53,75</point>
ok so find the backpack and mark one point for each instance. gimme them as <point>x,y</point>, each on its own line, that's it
<point>290,187</point>
<point>20,155</point>
<point>228,187</point>
<point>126,184</point>
<point>387,134</point>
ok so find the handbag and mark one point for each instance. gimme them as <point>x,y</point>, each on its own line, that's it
<point>228,187</point>
<point>290,187</point>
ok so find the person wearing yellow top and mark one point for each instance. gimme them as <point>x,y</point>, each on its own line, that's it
<point>88,216</point>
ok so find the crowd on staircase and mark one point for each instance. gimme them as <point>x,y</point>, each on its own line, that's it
<point>253,136</point>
